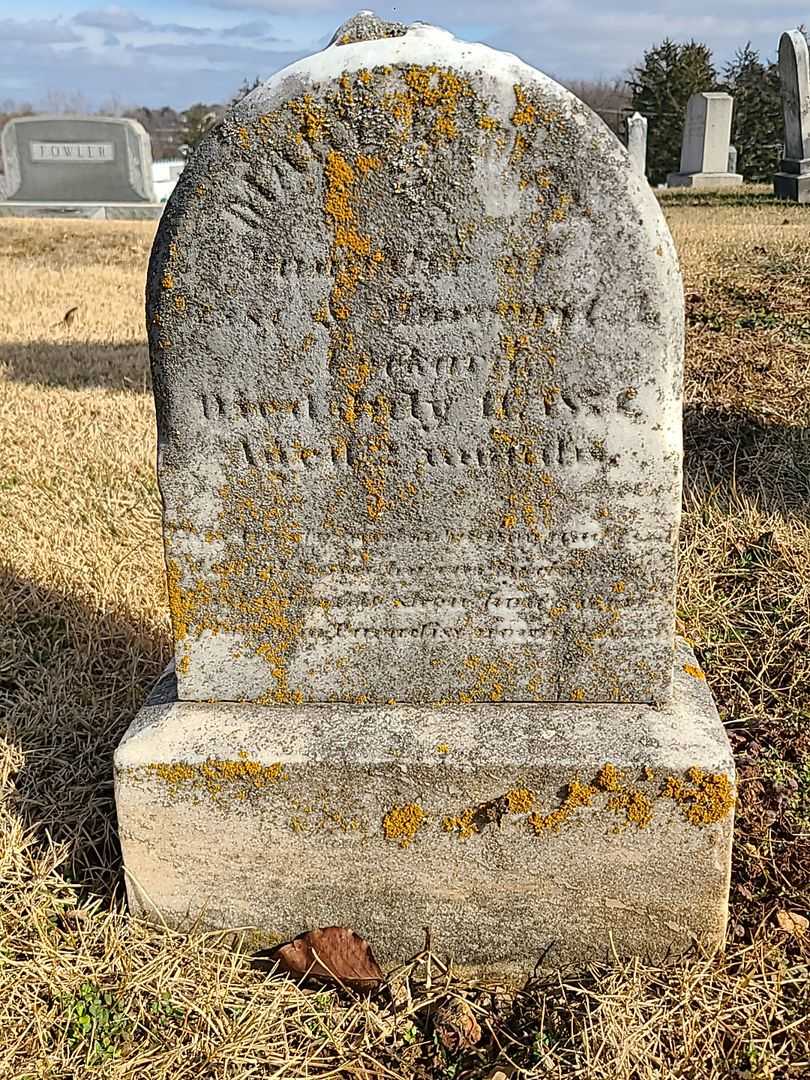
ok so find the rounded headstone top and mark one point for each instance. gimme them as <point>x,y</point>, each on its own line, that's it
<point>366,26</point>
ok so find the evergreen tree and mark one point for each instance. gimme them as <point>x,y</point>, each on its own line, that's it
<point>758,122</point>
<point>661,87</point>
<point>196,122</point>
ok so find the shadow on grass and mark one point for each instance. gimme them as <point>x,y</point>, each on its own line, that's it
<point>79,365</point>
<point>738,455</point>
<point>71,679</point>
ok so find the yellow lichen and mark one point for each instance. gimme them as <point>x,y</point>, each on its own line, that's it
<point>443,748</point>
<point>519,800</point>
<point>636,806</point>
<point>704,798</point>
<point>216,774</point>
<point>578,795</point>
<point>402,823</point>
<point>525,115</point>
<point>695,672</point>
<point>464,823</point>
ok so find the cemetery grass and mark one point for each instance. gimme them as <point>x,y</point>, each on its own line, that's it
<point>85,991</point>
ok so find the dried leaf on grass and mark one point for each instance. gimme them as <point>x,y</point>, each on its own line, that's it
<point>792,922</point>
<point>334,954</point>
<point>456,1025</point>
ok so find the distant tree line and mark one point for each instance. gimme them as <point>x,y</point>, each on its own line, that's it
<point>659,88</point>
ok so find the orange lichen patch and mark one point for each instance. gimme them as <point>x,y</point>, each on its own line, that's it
<point>367,162</point>
<point>695,672</point>
<point>519,800</point>
<point>402,823</point>
<point>705,799</point>
<point>636,806</point>
<point>464,823</point>
<point>168,280</point>
<point>433,88</point>
<point>184,604</point>
<point>488,123</point>
<point>311,117</point>
<point>491,682</point>
<point>609,778</point>
<point>578,694</point>
<point>577,795</point>
<point>217,774</point>
<point>442,748</point>
<point>244,138</point>
<point>525,115</point>
<point>184,664</point>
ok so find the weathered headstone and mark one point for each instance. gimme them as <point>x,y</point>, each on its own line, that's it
<point>732,159</point>
<point>637,140</point>
<point>416,325</point>
<point>793,180</point>
<point>77,166</point>
<point>705,146</point>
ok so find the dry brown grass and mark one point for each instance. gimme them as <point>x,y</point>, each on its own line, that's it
<point>83,633</point>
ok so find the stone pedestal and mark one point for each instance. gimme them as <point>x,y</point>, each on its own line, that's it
<point>704,180</point>
<point>513,831</point>
<point>141,211</point>
<point>792,186</point>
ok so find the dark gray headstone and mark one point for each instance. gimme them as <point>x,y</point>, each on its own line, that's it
<point>793,179</point>
<point>76,159</point>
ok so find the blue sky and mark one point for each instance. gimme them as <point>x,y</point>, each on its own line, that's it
<point>176,53</point>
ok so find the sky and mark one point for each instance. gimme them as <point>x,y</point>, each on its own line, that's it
<point>152,53</point>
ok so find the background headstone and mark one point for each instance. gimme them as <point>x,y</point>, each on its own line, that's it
<point>793,179</point>
<point>637,140</point>
<point>165,175</point>
<point>732,159</point>
<point>76,159</point>
<point>705,146</point>
<point>416,326</point>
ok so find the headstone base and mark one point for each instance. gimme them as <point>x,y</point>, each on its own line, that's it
<point>792,187</point>
<point>513,832</point>
<point>96,211</point>
<point>704,180</point>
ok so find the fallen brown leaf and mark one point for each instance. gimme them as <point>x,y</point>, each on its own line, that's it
<point>456,1026</point>
<point>792,922</point>
<point>334,954</point>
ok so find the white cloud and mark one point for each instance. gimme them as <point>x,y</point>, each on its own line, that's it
<point>37,32</point>
<point>119,20</point>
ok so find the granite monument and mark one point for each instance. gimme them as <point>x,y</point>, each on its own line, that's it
<point>793,179</point>
<point>77,166</point>
<point>705,146</point>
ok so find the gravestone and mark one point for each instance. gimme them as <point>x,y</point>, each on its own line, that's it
<point>793,179</point>
<point>416,327</point>
<point>637,141</point>
<point>732,159</point>
<point>705,146</point>
<point>77,166</point>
